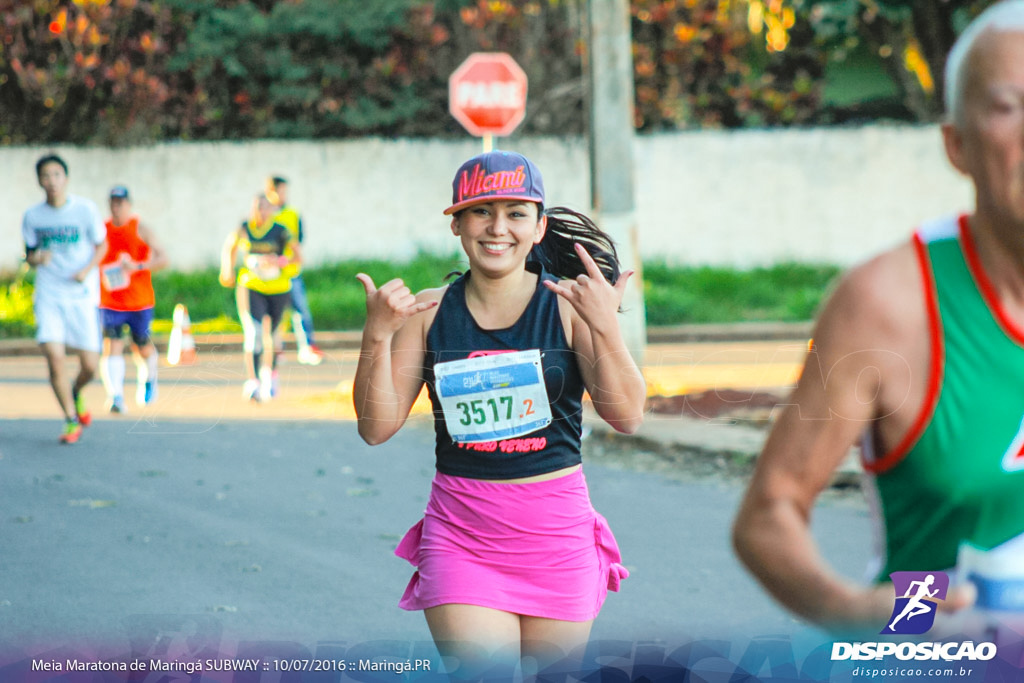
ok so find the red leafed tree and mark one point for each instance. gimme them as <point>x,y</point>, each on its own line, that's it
<point>85,70</point>
<point>133,71</point>
<point>722,63</point>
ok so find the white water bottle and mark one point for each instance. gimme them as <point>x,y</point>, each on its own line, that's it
<point>998,575</point>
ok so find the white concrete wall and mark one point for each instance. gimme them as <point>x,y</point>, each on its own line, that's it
<point>711,197</point>
<point>755,197</point>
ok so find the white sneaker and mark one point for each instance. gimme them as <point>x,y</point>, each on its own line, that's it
<point>310,355</point>
<point>251,390</point>
<point>140,388</point>
<point>266,381</point>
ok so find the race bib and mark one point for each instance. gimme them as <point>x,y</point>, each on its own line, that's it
<point>998,574</point>
<point>493,397</point>
<point>115,277</point>
<point>264,266</point>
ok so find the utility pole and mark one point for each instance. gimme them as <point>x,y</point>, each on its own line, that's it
<point>610,62</point>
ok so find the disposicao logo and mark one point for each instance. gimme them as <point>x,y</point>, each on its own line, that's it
<point>948,652</point>
<point>917,600</point>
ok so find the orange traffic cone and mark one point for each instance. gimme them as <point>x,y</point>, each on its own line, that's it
<point>181,347</point>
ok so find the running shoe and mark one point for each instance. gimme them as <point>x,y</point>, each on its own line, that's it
<point>251,390</point>
<point>72,432</point>
<point>140,385</point>
<point>310,355</point>
<point>149,392</point>
<point>266,385</point>
<point>84,416</point>
<point>117,404</point>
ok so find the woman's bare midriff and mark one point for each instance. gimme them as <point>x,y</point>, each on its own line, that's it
<point>541,477</point>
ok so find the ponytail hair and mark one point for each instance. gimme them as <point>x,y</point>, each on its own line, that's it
<point>556,251</point>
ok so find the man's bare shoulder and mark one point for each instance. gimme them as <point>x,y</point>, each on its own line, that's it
<point>882,298</point>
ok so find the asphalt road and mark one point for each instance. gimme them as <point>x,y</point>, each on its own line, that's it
<point>207,517</point>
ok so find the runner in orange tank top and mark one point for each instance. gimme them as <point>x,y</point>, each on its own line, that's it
<point>126,299</point>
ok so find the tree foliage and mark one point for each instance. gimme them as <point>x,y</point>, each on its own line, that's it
<point>910,37</point>
<point>721,63</point>
<point>133,71</point>
<point>317,68</point>
<point>88,70</point>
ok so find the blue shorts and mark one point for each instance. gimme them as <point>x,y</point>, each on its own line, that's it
<point>138,323</point>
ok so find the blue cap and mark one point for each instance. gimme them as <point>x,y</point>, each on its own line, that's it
<point>119,192</point>
<point>496,176</point>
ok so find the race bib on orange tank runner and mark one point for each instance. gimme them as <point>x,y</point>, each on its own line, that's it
<point>114,276</point>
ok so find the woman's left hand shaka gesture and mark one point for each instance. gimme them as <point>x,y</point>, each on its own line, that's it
<point>594,299</point>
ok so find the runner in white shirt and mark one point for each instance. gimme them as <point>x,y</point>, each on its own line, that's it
<point>64,241</point>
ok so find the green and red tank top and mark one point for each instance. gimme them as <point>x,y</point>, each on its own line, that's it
<point>957,477</point>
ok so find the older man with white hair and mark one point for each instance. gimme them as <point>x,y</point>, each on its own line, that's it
<point>919,353</point>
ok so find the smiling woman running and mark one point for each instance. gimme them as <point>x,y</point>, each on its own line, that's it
<point>512,559</point>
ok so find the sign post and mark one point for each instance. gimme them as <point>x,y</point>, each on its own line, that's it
<point>487,95</point>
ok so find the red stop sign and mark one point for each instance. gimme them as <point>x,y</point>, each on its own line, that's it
<point>487,94</point>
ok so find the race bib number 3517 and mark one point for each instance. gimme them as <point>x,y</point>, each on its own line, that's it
<point>493,397</point>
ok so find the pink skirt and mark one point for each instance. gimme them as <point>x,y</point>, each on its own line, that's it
<point>537,549</point>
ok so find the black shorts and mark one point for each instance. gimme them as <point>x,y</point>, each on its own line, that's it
<point>261,305</point>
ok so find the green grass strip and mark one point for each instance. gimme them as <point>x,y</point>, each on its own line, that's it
<point>673,294</point>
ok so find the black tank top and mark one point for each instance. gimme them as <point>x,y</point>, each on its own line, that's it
<point>272,240</point>
<point>453,336</point>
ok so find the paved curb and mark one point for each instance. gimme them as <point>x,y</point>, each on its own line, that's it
<point>723,440</point>
<point>729,332</point>
<point>349,340</point>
